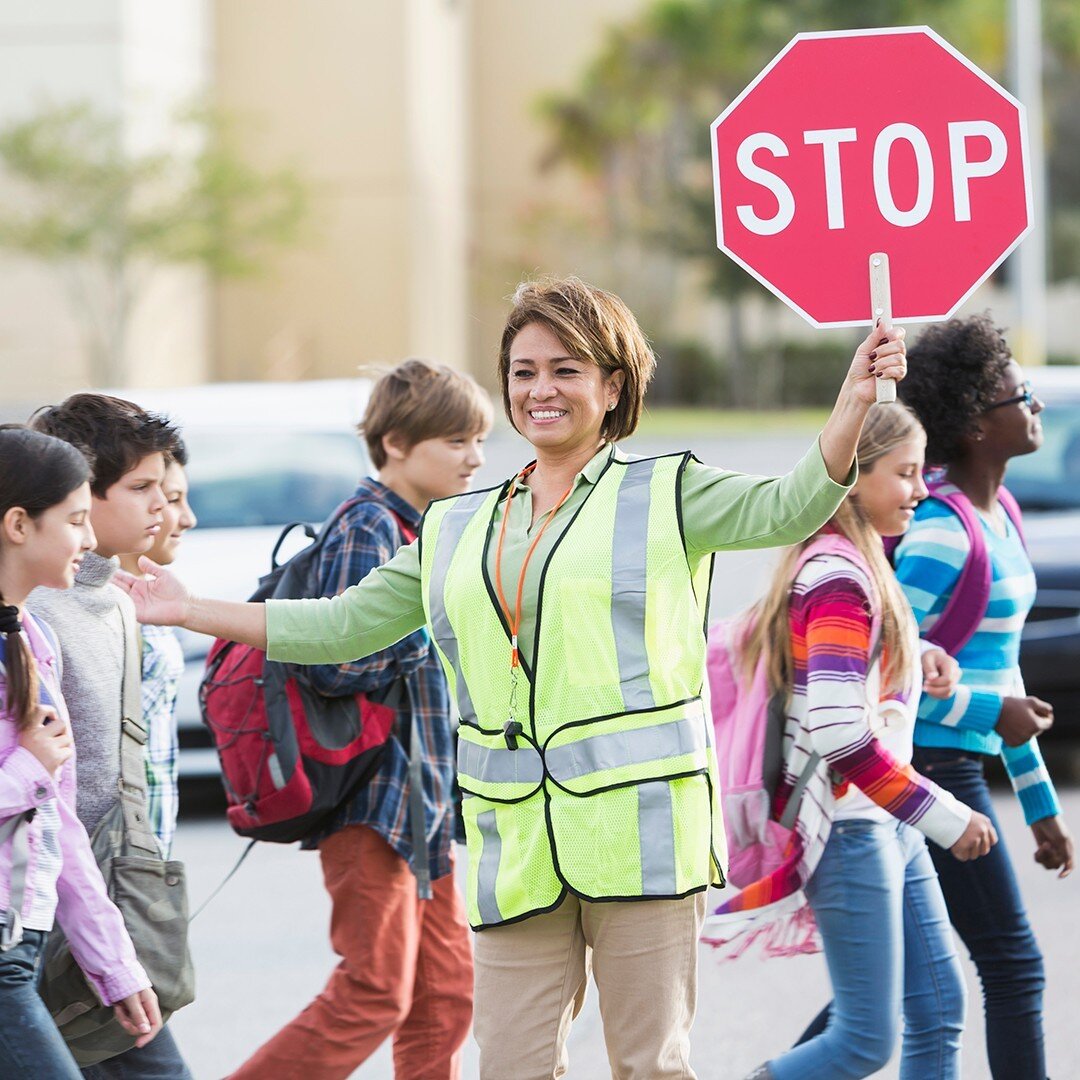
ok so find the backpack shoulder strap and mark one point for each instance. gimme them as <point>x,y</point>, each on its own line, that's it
<point>37,627</point>
<point>327,527</point>
<point>967,603</point>
<point>133,796</point>
<point>406,529</point>
<point>842,548</point>
<point>318,536</point>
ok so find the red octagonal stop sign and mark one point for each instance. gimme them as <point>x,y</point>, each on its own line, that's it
<point>856,142</point>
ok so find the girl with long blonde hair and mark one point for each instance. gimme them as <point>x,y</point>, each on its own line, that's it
<point>839,640</point>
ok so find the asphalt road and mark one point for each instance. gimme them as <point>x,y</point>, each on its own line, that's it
<point>261,953</point>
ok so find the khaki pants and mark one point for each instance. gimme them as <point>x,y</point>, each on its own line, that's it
<point>531,978</point>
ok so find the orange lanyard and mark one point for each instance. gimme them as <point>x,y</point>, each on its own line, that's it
<point>513,619</point>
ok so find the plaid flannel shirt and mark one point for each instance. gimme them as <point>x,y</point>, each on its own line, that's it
<point>366,536</point>
<point>162,667</point>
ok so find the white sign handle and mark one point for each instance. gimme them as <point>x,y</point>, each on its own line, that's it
<point>881,308</point>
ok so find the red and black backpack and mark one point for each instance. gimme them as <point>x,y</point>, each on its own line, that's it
<point>290,756</point>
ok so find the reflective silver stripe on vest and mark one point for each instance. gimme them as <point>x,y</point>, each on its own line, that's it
<point>629,556</point>
<point>451,529</point>
<point>488,870</point>
<point>492,765</point>
<point>618,749</point>
<point>656,829</point>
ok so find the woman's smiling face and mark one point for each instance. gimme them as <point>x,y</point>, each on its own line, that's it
<point>557,401</point>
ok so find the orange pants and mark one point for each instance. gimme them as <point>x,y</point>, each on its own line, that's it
<point>406,971</point>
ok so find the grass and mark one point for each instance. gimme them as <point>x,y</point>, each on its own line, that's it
<point>668,420</point>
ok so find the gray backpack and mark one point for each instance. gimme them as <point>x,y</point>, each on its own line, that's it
<point>150,892</point>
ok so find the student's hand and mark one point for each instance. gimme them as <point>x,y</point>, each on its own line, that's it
<point>1022,718</point>
<point>882,355</point>
<point>977,839</point>
<point>160,599</point>
<point>48,738</point>
<point>139,1015</point>
<point>941,673</point>
<point>1054,842</point>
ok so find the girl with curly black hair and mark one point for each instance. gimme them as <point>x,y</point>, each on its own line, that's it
<point>979,411</point>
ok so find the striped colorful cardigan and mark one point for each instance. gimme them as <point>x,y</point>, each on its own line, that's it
<point>863,737</point>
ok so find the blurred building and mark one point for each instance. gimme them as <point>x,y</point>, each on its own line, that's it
<point>122,57</point>
<point>414,121</point>
<point>414,124</point>
<point>411,120</point>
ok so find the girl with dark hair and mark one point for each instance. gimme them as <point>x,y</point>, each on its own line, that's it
<point>46,866</point>
<point>979,411</point>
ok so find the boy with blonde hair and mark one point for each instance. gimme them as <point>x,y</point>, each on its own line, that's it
<point>398,922</point>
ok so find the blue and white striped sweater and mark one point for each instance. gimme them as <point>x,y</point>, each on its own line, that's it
<point>928,564</point>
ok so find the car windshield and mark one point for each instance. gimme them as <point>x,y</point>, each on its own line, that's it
<point>245,477</point>
<point>1050,478</point>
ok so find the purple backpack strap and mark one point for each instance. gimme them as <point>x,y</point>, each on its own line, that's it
<point>967,604</point>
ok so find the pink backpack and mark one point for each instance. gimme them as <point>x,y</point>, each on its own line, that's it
<point>749,724</point>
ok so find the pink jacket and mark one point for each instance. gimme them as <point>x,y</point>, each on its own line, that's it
<point>93,924</point>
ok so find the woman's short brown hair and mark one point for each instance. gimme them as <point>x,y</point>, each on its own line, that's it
<point>418,400</point>
<point>593,325</point>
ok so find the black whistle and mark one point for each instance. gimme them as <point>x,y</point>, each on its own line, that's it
<point>511,730</point>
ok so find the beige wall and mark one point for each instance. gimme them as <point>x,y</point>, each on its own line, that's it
<point>414,122</point>
<point>125,60</point>
<point>325,80</point>
<point>521,50</point>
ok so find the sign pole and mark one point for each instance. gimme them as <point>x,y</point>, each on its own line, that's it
<point>881,308</point>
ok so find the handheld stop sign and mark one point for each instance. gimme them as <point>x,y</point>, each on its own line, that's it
<point>871,173</point>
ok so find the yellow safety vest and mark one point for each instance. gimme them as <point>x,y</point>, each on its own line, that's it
<point>608,788</point>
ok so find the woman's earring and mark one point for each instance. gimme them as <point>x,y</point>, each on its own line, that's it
<point>612,406</point>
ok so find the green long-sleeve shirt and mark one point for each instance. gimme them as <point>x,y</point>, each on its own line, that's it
<point>721,511</point>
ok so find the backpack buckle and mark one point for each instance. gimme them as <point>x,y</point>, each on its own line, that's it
<point>511,730</point>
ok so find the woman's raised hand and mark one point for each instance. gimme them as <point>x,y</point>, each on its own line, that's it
<point>160,598</point>
<point>882,355</point>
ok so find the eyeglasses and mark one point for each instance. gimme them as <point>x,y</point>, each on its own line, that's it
<point>1027,397</point>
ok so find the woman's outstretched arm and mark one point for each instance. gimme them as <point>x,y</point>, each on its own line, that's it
<point>364,619</point>
<point>162,599</point>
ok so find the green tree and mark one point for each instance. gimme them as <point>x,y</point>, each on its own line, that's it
<point>637,120</point>
<point>106,218</point>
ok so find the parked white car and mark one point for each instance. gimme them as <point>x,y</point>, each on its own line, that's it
<point>261,455</point>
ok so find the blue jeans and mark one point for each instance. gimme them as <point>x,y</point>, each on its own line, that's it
<point>30,1045</point>
<point>988,913</point>
<point>159,1059</point>
<point>890,951</point>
